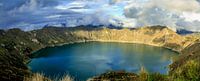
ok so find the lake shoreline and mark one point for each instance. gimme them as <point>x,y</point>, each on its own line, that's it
<point>114,41</point>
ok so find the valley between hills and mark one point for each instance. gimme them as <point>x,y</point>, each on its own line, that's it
<point>16,47</point>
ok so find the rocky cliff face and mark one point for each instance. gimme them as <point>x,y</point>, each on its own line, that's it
<point>157,36</point>
<point>27,42</point>
<point>37,39</point>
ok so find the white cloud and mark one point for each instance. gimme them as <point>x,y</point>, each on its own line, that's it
<point>77,5</point>
<point>164,12</point>
<point>28,6</point>
<point>193,26</point>
<point>1,4</point>
<point>53,16</point>
<point>191,16</point>
<point>176,5</point>
<point>126,13</point>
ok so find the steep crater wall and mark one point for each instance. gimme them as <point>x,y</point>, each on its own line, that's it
<point>24,43</point>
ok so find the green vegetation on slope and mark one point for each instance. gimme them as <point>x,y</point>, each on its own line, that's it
<point>187,67</point>
<point>12,66</point>
<point>188,72</point>
<point>126,76</point>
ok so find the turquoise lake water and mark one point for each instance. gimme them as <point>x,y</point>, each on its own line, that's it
<point>84,60</point>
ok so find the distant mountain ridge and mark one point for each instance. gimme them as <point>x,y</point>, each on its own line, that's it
<point>183,31</point>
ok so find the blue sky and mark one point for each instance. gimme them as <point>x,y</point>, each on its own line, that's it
<point>34,14</point>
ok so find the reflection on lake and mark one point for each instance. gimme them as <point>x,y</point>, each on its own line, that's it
<point>84,60</point>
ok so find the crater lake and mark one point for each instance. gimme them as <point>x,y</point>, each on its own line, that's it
<point>85,60</point>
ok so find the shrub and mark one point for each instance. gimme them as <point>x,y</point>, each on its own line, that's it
<point>157,77</point>
<point>189,72</point>
<point>42,77</point>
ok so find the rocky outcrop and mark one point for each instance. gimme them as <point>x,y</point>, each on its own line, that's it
<point>157,36</point>
<point>50,36</point>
